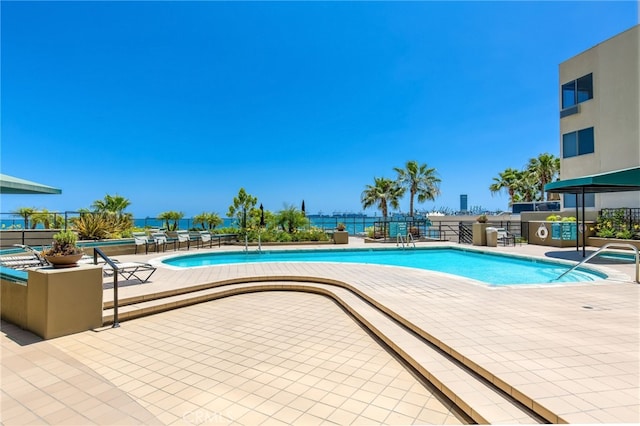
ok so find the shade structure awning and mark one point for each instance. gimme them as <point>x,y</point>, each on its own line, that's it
<point>616,181</point>
<point>14,185</point>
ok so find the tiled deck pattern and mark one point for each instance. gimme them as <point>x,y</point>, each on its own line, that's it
<point>571,350</point>
<point>262,358</point>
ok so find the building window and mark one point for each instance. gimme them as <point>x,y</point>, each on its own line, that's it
<point>577,91</point>
<point>571,200</point>
<point>578,143</point>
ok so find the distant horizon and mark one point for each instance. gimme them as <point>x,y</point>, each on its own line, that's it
<point>6,217</point>
<point>177,105</point>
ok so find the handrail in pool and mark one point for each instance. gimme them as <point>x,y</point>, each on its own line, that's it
<point>603,248</point>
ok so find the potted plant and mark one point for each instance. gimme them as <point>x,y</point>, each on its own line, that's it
<point>340,226</point>
<point>64,252</point>
<point>482,218</point>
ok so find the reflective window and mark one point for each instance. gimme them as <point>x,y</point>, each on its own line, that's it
<point>577,91</point>
<point>568,94</point>
<point>569,145</point>
<point>570,200</point>
<point>578,143</point>
<point>584,88</point>
<point>585,141</point>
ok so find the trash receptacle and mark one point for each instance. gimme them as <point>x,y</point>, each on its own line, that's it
<point>492,237</point>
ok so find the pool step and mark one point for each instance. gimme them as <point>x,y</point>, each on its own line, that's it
<point>478,398</point>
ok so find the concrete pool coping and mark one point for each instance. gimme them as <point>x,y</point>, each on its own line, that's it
<point>569,351</point>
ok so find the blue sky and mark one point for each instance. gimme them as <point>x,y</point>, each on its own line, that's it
<point>177,105</point>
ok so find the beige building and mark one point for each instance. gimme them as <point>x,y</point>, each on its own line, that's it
<point>600,122</point>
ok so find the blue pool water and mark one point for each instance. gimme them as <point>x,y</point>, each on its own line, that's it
<point>489,268</point>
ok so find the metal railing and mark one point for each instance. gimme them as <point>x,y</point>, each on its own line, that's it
<point>604,248</point>
<point>464,230</point>
<point>97,252</point>
<point>405,240</point>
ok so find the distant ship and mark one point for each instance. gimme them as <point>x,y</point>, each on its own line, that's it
<point>348,214</point>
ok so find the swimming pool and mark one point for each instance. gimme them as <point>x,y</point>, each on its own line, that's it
<point>493,269</point>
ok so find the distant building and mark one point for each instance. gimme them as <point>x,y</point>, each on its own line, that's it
<point>599,117</point>
<point>463,202</point>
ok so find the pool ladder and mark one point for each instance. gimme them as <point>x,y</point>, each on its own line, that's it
<point>246,244</point>
<point>603,248</point>
<point>400,239</point>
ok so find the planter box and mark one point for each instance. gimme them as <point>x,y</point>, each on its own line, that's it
<point>64,301</point>
<point>479,234</point>
<point>341,237</point>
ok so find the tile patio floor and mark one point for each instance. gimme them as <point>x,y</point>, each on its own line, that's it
<point>298,358</point>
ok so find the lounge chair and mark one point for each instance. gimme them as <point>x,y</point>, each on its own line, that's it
<point>141,239</point>
<point>162,239</point>
<point>28,258</point>
<point>138,270</point>
<point>183,237</point>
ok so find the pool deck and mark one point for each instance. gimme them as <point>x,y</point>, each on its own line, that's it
<point>565,353</point>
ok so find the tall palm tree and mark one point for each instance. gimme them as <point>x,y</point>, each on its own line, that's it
<point>383,192</point>
<point>508,180</point>
<point>25,213</point>
<point>526,187</point>
<point>545,168</point>
<point>211,220</point>
<point>111,204</point>
<point>290,219</point>
<point>420,180</point>
<point>171,216</point>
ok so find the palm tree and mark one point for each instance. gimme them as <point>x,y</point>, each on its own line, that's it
<point>211,220</point>
<point>383,192</point>
<point>420,180</point>
<point>290,219</point>
<point>171,215</point>
<point>25,213</point>
<point>508,180</point>
<point>526,188</point>
<point>545,168</point>
<point>43,217</point>
<point>111,204</point>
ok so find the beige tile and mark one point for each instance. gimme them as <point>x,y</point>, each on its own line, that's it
<point>510,331</point>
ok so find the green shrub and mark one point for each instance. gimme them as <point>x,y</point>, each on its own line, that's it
<point>284,237</point>
<point>64,243</point>
<point>100,226</point>
<point>65,237</point>
<point>369,231</point>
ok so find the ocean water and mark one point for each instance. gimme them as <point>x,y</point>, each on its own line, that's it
<point>354,224</point>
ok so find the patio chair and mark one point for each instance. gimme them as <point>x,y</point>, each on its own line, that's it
<point>205,236</point>
<point>505,237</point>
<point>183,237</point>
<point>141,239</point>
<point>162,239</point>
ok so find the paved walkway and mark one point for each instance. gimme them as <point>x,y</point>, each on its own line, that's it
<point>269,358</point>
